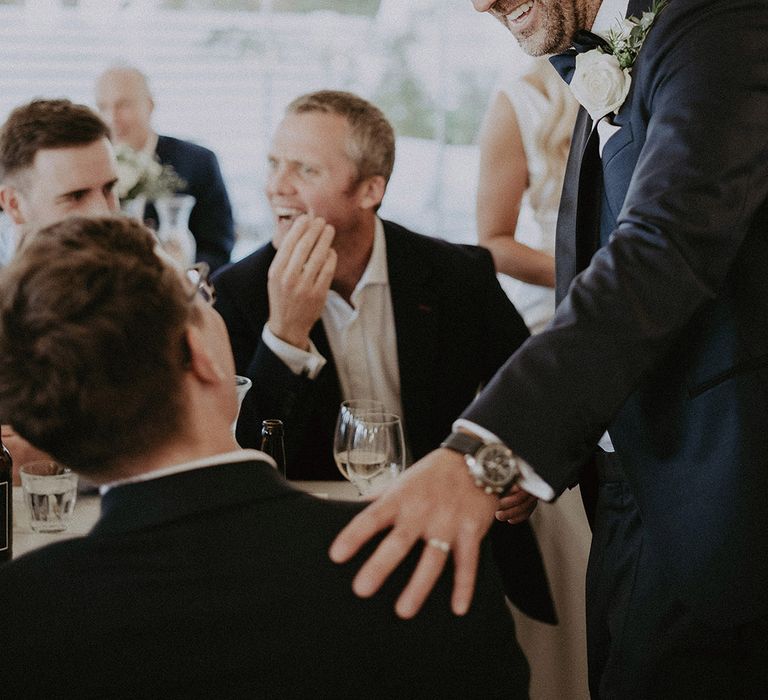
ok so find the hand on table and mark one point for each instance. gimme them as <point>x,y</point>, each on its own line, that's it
<point>516,506</point>
<point>434,500</point>
<point>299,279</point>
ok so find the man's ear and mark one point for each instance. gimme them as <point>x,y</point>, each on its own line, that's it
<point>201,364</point>
<point>371,192</point>
<point>9,201</point>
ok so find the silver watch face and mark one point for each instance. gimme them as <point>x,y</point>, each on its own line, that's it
<point>494,465</point>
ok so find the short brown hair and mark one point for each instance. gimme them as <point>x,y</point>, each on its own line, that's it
<point>372,147</point>
<point>92,346</point>
<point>43,124</point>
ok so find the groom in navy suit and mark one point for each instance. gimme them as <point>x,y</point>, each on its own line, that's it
<point>655,367</point>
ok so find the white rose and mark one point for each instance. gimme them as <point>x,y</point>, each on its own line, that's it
<point>599,83</point>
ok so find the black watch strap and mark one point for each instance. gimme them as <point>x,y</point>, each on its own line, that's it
<point>463,443</point>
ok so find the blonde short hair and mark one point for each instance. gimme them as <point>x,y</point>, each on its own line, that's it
<point>372,146</point>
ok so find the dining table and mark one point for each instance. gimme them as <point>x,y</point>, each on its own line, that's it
<point>88,508</point>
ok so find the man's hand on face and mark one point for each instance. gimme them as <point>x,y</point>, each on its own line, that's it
<point>435,501</point>
<point>299,279</point>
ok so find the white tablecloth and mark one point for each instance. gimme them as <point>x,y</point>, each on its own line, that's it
<point>88,507</point>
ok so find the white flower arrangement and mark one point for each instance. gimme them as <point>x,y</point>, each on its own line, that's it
<point>140,174</point>
<point>602,77</point>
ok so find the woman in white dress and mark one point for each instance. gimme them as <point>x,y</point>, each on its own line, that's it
<point>524,145</point>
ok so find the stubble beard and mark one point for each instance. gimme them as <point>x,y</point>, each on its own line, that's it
<point>557,22</point>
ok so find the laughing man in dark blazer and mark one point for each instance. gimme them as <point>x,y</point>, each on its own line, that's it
<point>206,574</point>
<point>125,102</point>
<point>343,305</point>
<point>656,361</point>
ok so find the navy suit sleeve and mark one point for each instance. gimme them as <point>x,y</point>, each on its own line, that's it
<point>241,299</point>
<point>211,220</point>
<point>690,174</point>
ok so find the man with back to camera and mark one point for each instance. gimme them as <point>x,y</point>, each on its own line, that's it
<point>343,305</point>
<point>125,102</point>
<point>56,161</point>
<point>660,339</point>
<point>206,572</point>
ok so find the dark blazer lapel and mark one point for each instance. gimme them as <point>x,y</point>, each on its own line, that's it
<point>327,393</point>
<point>149,503</point>
<point>635,8</point>
<point>415,307</point>
<point>578,220</point>
<point>571,216</point>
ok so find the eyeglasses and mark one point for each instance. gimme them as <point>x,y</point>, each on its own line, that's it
<point>198,276</point>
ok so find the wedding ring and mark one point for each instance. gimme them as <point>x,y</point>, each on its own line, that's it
<point>442,545</point>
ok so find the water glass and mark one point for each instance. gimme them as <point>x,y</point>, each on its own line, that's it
<point>50,492</point>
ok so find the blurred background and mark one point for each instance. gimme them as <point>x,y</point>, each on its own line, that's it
<point>223,70</point>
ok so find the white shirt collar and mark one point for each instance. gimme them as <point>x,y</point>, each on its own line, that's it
<point>213,461</point>
<point>376,270</point>
<point>609,16</point>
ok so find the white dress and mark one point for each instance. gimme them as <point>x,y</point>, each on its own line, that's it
<point>557,654</point>
<point>536,229</point>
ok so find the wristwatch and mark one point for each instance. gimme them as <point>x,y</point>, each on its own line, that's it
<point>492,465</point>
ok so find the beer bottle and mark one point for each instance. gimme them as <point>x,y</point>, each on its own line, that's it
<point>6,504</point>
<point>272,442</point>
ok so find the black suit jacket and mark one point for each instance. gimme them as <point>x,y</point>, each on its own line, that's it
<point>211,220</point>
<point>663,338</point>
<point>455,327</point>
<point>216,583</point>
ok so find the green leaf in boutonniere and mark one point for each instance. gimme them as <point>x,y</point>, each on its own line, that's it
<point>626,41</point>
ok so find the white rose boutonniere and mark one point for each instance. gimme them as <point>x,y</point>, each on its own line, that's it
<point>139,174</point>
<point>599,83</point>
<point>601,79</point>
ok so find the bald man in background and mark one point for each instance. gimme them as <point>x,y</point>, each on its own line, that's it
<point>125,102</point>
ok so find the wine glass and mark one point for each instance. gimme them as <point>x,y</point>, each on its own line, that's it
<point>242,385</point>
<point>347,411</point>
<point>375,450</point>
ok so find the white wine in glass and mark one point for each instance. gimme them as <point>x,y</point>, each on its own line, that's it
<point>375,451</point>
<point>347,410</point>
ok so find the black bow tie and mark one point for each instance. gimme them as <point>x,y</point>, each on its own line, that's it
<point>565,63</point>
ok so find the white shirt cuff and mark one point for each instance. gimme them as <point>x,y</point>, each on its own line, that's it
<point>308,362</point>
<point>530,481</point>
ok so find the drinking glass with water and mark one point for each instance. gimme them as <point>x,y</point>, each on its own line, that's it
<point>50,492</point>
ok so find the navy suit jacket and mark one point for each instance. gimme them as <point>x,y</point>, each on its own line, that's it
<point>216,583</point>
<point>211,220</point>
<point>455,326</point>
<point>662,337</point>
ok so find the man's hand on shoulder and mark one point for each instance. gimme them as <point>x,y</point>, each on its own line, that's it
<point>299,279</point>
<point>435,501</point>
